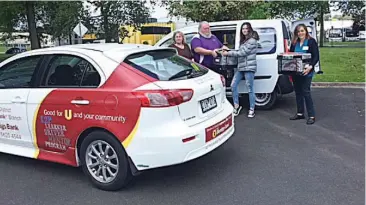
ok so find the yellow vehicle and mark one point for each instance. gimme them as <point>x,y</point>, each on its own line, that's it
<point>150,33</point>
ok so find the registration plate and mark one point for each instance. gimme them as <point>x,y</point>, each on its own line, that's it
<point>208,104</point>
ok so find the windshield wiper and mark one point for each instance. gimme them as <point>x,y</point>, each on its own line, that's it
<point>182,73</point>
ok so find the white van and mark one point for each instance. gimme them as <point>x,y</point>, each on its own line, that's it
<point>275,37</point>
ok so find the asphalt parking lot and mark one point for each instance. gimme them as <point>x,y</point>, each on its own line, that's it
<point>270,160</point>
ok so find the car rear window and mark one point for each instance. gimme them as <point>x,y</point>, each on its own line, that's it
<point>165,65</point>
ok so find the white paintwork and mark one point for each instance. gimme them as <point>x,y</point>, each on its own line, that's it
<point>201,89</point>
<point>158,138</point>
<point>13,107</point>
<point>158,141</point>
<point>36,97</point>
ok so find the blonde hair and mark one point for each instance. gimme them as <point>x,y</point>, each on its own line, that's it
<point>181,33</point>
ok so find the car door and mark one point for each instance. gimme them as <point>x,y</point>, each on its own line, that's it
<point>311,25</point>
<point>64,95</point>
<point>16,80</point>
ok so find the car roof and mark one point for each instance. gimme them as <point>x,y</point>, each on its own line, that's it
<point>114,51</point>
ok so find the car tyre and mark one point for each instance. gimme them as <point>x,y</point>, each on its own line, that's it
<point>110,170</point>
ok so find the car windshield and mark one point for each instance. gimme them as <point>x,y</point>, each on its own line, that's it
<point>165,65</point>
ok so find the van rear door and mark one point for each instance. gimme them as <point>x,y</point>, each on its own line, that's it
<point>311,24</point>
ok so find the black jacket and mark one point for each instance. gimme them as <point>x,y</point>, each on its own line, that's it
<point>313,49</point>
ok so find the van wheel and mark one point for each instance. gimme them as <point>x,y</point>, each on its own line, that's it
<point>104,161</point>
<point>265,101</point>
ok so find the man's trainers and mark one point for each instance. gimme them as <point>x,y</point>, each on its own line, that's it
<point>237,111</point>
<point>251,113</point>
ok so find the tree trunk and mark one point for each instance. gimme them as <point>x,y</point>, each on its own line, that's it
<point>321,42</point>
<point>32,25</point>
<point>104,12</point>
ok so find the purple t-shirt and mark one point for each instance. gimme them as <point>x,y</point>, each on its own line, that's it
<point>211,43</point>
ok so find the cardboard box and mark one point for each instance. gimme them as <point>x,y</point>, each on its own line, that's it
<point>293,63</point>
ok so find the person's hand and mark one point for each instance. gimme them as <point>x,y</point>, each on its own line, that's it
<point>214,54</point>
<point>307,69</point>
<point>225,53</point>
<point>225,48</point>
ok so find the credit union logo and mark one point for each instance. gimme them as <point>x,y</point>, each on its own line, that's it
<point>214,133</point>
<point>219,130</point>
<point>68,114</point>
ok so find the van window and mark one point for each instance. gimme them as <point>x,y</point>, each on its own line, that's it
<point>227,37</point>
<point>267,40</point>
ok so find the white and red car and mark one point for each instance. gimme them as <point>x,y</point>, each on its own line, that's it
<point>113,109</point>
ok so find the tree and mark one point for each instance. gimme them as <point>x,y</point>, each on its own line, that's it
<point>117,13</point>
<point>60,17</point>
<point>14,14</point>
<point>294,10</point>
<point>354,8</point>
<point>56,18</point>
<point>215,10</point>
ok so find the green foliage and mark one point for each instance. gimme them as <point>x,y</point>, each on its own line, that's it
<point>260,11</point>
<point>294,10</point>
<point>12,15</point>
<point>117,13</point>
<point>60,17</point>
<point>216,10</point>
<point>351,8</point>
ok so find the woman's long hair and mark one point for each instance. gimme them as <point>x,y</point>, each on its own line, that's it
<point>251,33</point>
<point>182,34</point>
<point>295,38</point>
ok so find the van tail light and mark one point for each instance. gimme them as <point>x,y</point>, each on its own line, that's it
<point>223,81</point>
<point>163,98</point>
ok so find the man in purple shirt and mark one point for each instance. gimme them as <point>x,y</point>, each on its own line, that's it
<point>204,46</point>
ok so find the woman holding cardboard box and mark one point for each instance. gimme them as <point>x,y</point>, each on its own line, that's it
<point>302,42</point>
<point>247,66</point>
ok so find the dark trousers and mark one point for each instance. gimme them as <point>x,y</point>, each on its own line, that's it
<point>302,89</point>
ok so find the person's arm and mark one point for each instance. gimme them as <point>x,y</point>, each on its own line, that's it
<point>197,47</point>
<point>314,50</point>
<point>245,49</point>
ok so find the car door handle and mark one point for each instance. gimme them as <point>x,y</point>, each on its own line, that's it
<point>18,100</point>
<point>80,102</point>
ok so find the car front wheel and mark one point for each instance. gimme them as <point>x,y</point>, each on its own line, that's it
<point>105,161</point>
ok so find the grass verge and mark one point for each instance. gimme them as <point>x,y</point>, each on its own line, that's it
<point>342,65</point>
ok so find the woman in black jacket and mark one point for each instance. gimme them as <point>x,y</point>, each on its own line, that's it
<point>304,43</point>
